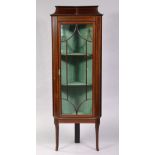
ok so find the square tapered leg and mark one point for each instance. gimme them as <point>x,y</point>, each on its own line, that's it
<point>57,134</point>
<point>77,132</point>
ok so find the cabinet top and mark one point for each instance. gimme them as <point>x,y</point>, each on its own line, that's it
<point>76,11</point>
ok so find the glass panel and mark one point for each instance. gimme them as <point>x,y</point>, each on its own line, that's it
<point>76,68</point>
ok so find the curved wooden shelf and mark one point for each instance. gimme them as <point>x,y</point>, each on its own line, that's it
<point>77,84</point>
<point>75,54</point>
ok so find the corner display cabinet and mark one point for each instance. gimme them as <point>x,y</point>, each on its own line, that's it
<point>76,67</point>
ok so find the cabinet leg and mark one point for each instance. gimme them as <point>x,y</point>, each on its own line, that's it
<point>97,123</point>
<point>57,134</point>
<point>77,132</point>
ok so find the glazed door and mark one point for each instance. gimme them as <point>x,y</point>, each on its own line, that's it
<point>76,68</point>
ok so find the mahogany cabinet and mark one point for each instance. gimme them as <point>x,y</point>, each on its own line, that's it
<point>76,67</point>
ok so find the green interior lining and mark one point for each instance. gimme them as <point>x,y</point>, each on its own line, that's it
<point>76,68</point>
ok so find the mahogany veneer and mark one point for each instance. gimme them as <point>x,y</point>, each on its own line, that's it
<point>89,18</point>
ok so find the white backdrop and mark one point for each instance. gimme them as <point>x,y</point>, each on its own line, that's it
<point>109,120</point>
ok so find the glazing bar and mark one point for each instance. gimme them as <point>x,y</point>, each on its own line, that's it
<point>86,69</point>
<point>67,68</point>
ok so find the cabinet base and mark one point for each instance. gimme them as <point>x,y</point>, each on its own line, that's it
<point>77,133</point>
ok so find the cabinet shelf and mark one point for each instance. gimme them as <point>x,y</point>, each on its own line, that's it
<point>77,84</point>
<point>75,54</point>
